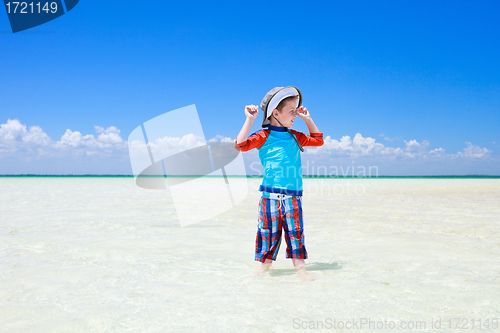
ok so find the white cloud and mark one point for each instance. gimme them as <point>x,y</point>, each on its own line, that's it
<point>110,135</point>
<point>437,152</point>
<point>385,137</point>
<point>414,148</point>
<point>23,143</point>
<point>167,146</point>
<point>359,146</point>
<point>74,139</point>
<point>472,151</point>
<point>28,143</point>
<point>13,133</point>
<point>108,138</point>
<point>220,138</point>
<point>368,147</point>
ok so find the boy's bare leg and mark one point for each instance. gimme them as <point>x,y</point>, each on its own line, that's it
<point>264,267</point>
<point>301,268</point>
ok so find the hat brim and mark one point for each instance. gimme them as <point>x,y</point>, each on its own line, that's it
<point>277,98</point>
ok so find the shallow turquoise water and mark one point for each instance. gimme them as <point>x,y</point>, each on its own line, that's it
<point>97,254</point>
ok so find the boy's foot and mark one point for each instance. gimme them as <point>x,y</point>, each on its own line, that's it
<point>304,275</point>
<point>263,269</point>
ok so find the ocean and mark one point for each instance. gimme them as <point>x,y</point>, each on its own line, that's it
<point>99,254</point>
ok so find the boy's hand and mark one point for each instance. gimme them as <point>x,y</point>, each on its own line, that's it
<point>251,111</point>
<point>303,113</point>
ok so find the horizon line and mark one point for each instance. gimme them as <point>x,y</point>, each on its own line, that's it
<point>248,176</point>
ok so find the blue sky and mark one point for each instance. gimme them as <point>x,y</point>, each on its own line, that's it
<point>399,72</point>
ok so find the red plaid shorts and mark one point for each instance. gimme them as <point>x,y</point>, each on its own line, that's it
<point>274,216</point>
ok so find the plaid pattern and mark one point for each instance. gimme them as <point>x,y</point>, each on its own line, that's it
<point>275,215</point>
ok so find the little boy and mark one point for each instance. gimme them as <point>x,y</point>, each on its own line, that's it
<point>280,206</point>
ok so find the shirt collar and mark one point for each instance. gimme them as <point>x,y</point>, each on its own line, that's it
<point>276,128</point>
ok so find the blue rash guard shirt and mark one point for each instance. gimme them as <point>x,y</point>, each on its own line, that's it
<point>280,157</point>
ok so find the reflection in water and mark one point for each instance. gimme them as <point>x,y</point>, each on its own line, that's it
<point>316,266</point>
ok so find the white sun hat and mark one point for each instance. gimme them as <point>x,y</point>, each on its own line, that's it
<point>274,97</point>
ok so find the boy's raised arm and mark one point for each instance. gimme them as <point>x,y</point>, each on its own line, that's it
<point>312,126</point>
<point>251,112</point>
<point>315,138</point>
<point>304,114</point>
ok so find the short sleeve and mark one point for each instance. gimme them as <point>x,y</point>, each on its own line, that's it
<point>256,140</point>
<point>311,140</point>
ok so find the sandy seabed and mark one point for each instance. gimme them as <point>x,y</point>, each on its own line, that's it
<point>103,255</point>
